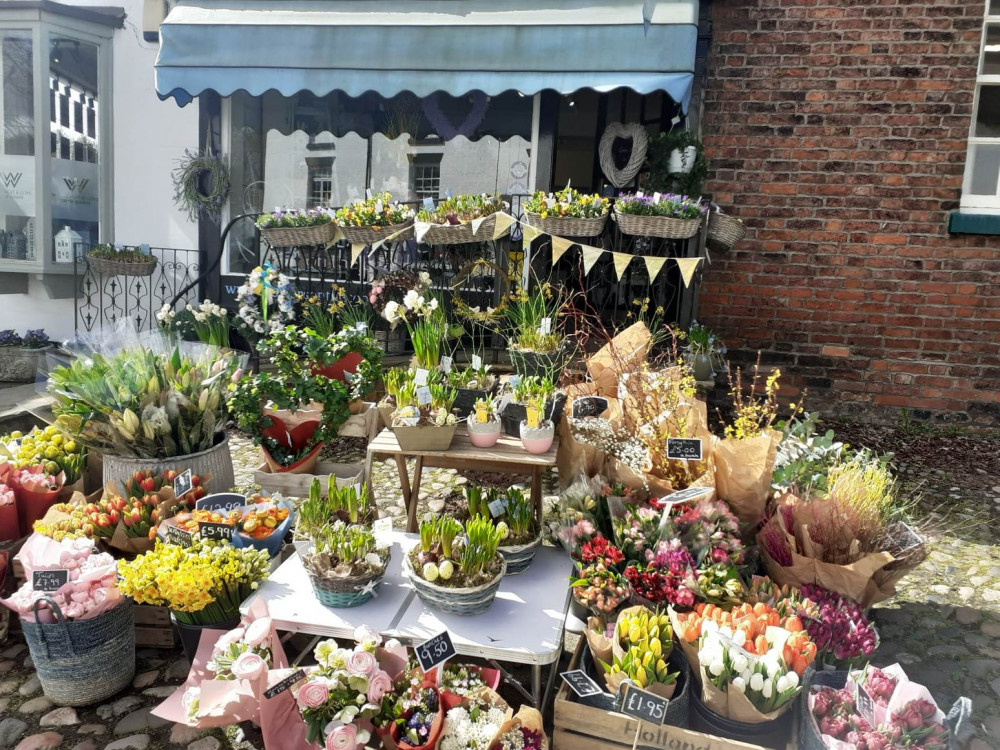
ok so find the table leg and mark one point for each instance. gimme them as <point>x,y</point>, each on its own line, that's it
<point>536,491</point>
<point>369,463</point>
<point>411,524</point>
<point>404,483</point>
<point>536,684</point>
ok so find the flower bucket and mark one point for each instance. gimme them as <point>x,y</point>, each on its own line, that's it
<point>425,437</point>
<point>10,529</point>
<point>466,398</point>
<point>216,462</point>
<point>458,601</point>
<point>191,634</point>
<point>771,733</point>
<point>484,435</point>
<point>19,364</point>
<point>84,661</point>
<point>519,556</point>
<point>335,370</point>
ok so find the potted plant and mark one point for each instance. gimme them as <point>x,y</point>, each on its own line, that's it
<point>120,261</point>
<point>512,513</point>
<point>295,227</point>
<point>670,216</point>
<point>526,390</point>
<point>537,346</point>
<point>453,219</point>
<point>207,323</point>
<point>388,292</point>
<point>457,575</point>
<point>350,505</point>
<point>483,424</point>
<point>536,433</point>
<point>471,385</point>
<point>348,328</point>
<point>428,426</point>
<point>676,162</point>
<point>203,585</point>
<point>375,219</point>
<point>568,213</point>
<point>706,351</point>
<point>20,357</point>
<point>345,565</point>
<point>394,380</point>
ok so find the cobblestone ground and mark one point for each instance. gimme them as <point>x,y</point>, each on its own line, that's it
<point>943,626</point>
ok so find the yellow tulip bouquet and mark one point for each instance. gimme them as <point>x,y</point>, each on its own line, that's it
<point>202,584</point>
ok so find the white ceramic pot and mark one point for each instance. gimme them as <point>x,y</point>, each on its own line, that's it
<point>537,440</point>
<point>485,434</point>
<point>682,163</point>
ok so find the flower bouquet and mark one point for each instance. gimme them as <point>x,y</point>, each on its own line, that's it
<point>842,633</point>
<point>266,303</point>
<point>10,530</point>
<point>375,219</point>
<point>568,213</point>
<point>599,588</point>
<point>208,323</point>
<point>484,424</point>
<point>475,723</point>
<point>665,577</point>
<point>669,215</point>
<point>424,426</point>
<point>640,649</point>
<point>512,513</point>
<point>459,681</point>
<point>457,575</point>
<point>295,227</point>
<point>524,731</point>
<point>346,566</point>
<point>419,717</point>
<point>49,448</point>
<point>461,220</point>
<point>36,491</point>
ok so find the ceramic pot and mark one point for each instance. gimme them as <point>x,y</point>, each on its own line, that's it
<point>484,435</point>
<point>537,440</point>
<point>702,366</point>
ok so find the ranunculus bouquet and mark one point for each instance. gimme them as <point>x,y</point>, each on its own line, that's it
<point>667,576</point>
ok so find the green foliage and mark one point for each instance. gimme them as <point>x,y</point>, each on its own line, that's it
<point>658,157</point>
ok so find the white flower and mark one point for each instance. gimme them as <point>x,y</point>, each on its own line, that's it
<point>782,684</point>
<point>717,668</point>
<point>793,680</point>
<point>768,689</point>
<point>740,684</point>
<point>757,682</point>
<point>412,300</point>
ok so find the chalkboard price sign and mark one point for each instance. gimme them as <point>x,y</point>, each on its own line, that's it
<point>688,449</point>
<point>178,536</point>
<point>580,683</point>
<point>644,706</point>
<point>285,684</point>
<point>49,580</point>
<point>866,706</point>
<point>220,531</point>
<point>436,650</point>
<point>222,501</point>
<point>183,484</point>
<point>589,406</point>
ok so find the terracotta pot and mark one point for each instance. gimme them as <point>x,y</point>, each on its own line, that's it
<point>335,370</point>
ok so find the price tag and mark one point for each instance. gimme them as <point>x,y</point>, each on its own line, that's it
<point>222,532</point>
<point>224,501</point>
<point>382,530</point>
<point>420,376</point>
<point>866,706</point>
<point>682,496</point>
<point>589,406</point>
<point>285,684</point>
<point>49,580</point>
<point>423,395</point>
<point>379,208</point>
<point>644,706</point>
<point>477,362</point>
<point>368,192</point>
<point>178,536</point>
<point>656,197</point>
<point>435,651</point>
<point>639,194</point>
<point>183,484</point>
<point>429,204</point>
<point>497,507</point>
<point>144,248</point>
<point>481,414</point>
<point>545,327</point>
<point>513,380</point>
<point>446,364</point>
<point>580,683</point>
<point>688,449</point>
<point>447,193</point>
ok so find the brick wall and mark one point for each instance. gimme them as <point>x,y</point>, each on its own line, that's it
<point>836,129</point>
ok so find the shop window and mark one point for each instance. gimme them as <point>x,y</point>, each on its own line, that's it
<point>320,183</point>
<point>427,179</point>
<point>981,188</point>
<point>17,162</point>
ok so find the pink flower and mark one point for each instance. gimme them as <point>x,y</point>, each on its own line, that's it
<point>363,634</point>
<point>313,694</point>
<point>361,663</point>
<point>378,686</point>
<point>248,666</point>
<point>228,639</point>
<point>344,737</point>
<point>258,631</point>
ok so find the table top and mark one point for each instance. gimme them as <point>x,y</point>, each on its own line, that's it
<point>507,450</point>
<point>523,625</point>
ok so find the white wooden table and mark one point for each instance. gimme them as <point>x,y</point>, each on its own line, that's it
<point>524,625</point>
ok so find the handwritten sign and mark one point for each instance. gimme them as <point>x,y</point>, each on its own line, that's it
<point>435,651</point>
<point>222,501</point>
<point>580,683</point>
<point>285,684</point>
<point>222,532</point>
<point>49,580</point>
<point>178,536</point>
<point>688,449</point>
<point>589,406</point>
<point>183,484</point>
<point>644,706</point>
<point>682,496</point>
<point>866,706</point>
<point>477,362</point>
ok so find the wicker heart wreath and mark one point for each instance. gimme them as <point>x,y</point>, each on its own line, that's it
<point>635,131</point>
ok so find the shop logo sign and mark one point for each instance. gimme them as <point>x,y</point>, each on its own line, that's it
<point>10,179</point>
<point>74,185</point>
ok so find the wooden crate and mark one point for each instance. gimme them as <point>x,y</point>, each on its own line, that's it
<point>297,485</point>
<point>153,628</point>
<point>580,727</point>
<point>363,425</point>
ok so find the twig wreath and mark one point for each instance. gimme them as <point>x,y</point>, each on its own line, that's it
<point>480,268</point>
<point>201,185</point>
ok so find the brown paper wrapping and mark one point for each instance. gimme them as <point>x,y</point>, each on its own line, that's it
<point>622,353</point>
<point>575,459</point>
<point>743,470</point>
<point>664,690</point>
<point>712,697</point>
<point>616,648</point>
<point>690,649</point>
<point>600,644</point>
<point>526,717</point>
<point>741,709</point>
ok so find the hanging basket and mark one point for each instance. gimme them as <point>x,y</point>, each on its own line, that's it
<point>667,227</point>
<point>319,234</point>
<point>724,231</point>
<point>372,235</point>
<point>121,267</point>
<point>565,226</point>
<point>458,601</point>
<point>462,234</point>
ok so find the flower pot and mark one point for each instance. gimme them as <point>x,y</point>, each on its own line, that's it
<point>489,676</point>
<point>191,634</point>
<point>682,162</point>
<point>466,398</point>
<point>216,462</point>
<point>109,267</point>
<point>345,592</point>
<point>33,504</point>
<point>537,440</point>
<point>304,465</point>
<point>484,435</point>
<point>568,226</point>
<point>548,365</point>
<point>519,556</point>
<point>371,235</point>
<point>515,413</point>
<point>668,227</point>
<point>10,529</point>
<point>335,370</point>
<point>473,600</point>
<point>701,364</point>
<point>425,437</point>
<point>318,234</point>
<point>19,364</point>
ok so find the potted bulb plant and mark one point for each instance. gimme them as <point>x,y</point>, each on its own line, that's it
<point>706,352</point>
<point>668,215</point>
<point>484,424</point>
<point>472,385</point>
<point>526,389</point>
<point>375,219</point>
<point>451,221</point>
<point>423,418</point>
<point>21,356</point>
<point>345,564</point>
<point>120,261</point>
<point>537,346</point>
<point>536,433</point>
<point>295,227</point>
<point>512,513</point>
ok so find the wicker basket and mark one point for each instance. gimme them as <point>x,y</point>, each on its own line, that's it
<point>564,226</point>
<point>462,234</point>
<point>519,556</point>
<point>318,234</point>
<point>121,268</point>
<point>658,226</point>
<point>345,592</point>
<point>371,235</point>
<point>724,231</point>
<point>425,437</point>
<point>457,601</point>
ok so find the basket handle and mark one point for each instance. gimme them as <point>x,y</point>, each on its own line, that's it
<point>60,620</point>
<point>959,721</point>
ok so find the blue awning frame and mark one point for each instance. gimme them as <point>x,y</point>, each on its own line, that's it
<point>424,46</point>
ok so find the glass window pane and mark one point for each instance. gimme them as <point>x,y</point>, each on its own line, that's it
<point>994,8</point>
<point>985,169</point>
<point>988,112</point>
<point>17,160</point>
<point>991,50</point>
<point>73,83</point>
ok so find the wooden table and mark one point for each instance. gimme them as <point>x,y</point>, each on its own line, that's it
<point>507,456</point>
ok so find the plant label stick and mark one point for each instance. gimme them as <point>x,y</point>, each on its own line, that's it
<point>446,364</point>
<point>420,376</point>
<point>423,395</point>
<point>545,327</point>
<point>532,418</point>
<point>866,706</point>
<point>435,651</point>
<point>477,362</point>
<point>429,204</point>
<point>382,530</point>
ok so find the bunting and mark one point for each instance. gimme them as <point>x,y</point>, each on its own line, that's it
<point>559,246</point>
<point>688,266</point>
<point>356,249</point>
<point>621,263</point>
<point>420,229</point>
<point>590,256</point>
<point>503,223</point>
<point>529,233</point>
<point>653,266</point>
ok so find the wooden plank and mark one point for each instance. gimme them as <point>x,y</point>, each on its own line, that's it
<point>360,425</point>
<point>297,485</point>
<point>157,637</point>
<point>148,614</point>
<point>508,450</point>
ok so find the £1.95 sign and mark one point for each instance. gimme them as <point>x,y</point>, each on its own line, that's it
<point>435,650</point>
<point>644,706</point>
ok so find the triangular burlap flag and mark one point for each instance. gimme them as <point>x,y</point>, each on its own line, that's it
<point>621,263</point>
<point>476,223</point>
<point>590,256</point>
<point>356,249</point>
<point>653,266</point>
<point>338,235</point>
<point>420,228</point>
<point>688,267</point>
<point>504,220</point>
<point>529,233</point>
<point>559,246</point>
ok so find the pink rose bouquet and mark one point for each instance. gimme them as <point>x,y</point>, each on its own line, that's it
<point>243,653</point>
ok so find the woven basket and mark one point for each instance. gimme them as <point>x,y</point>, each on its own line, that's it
<point>83,662</point>
<point>425,437</point>
<point>319,234</point>
<point>724,231</point>
<point>345,592</point>
<point>121,268</point>
<point>564,226</point>
<point>457,601</point>
<point>658,226</point>
<point>371,235</point>
<point>462,234</point>
<point>519,556</point>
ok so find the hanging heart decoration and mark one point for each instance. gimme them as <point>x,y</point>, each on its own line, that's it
<point>444,127</point>
<point>632,131</point>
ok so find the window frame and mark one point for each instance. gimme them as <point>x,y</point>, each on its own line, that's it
<point>968,199</point>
